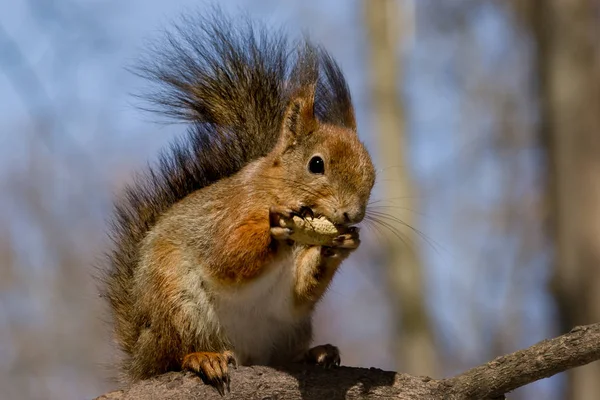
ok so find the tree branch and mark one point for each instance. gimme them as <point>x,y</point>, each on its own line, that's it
<point>542,360</point>
<point>489,381</point>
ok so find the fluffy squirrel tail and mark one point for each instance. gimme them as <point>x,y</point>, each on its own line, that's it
<point>230,80</point>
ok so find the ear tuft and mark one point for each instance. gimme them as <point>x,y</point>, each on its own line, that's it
<point>300,118</point>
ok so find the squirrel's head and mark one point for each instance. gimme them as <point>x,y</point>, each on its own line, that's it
<point>324,166</point>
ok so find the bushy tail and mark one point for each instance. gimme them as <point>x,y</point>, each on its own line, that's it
<point>230,80</point>
<point>230,74</point>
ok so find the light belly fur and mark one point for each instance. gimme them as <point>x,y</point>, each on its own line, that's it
<point>260,314</point>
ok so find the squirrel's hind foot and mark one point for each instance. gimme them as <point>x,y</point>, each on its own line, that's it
<point>213,368</point>
<point>326,355</point>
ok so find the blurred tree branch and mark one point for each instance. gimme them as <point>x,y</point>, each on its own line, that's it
<point>28,86</point>
<point>567,65</point>
<point>412,334</point>
<point>488,381</point>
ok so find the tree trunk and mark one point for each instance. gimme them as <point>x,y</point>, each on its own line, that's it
<point>567,39</point>
<point>412,333</point>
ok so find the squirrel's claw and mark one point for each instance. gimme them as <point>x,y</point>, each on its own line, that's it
<point>212,368</point>
<point>342,245</point>
<point>305,212</point>
<point>230,358</point>
<point>280,218</point>
<point>349,240</point>
<point>279,214</point>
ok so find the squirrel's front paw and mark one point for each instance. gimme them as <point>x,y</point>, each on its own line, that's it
<point>342,245</point>
<point>281,220</point>
<point>213,368</point>
<point>325,355</point>
<point>348,240</point>
<point>279,233</point>
<point>278,217</point>
<point>282,215</point>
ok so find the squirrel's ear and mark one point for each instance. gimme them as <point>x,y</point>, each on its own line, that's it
<point>349,119</point>
<point>299,119</point>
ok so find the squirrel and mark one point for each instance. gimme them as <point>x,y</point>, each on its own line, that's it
<point>203,275</point>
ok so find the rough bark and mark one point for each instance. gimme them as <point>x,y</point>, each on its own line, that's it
<point>488,381</point>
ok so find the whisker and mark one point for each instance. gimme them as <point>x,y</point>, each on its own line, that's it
<point>397,208</point>
<point>373,227</point>
<point>391,199</point>
<point>382,216</point>
<point>393,230</point>
<point>393,218</point>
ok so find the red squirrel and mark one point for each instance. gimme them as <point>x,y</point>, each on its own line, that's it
<point>203,274</point>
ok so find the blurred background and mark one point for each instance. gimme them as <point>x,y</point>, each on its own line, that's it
<point>483,118</point>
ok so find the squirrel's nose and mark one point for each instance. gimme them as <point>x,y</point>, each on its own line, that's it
<point>346,217</point>
<point>349,216</point>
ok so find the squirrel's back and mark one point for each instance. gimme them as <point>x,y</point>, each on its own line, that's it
<point>231,80</point>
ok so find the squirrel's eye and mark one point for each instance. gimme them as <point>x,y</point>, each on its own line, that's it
<point>316,165</point>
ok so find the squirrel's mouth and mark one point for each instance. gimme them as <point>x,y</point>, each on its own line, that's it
<point>309,212</point>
